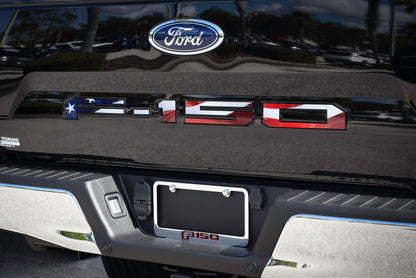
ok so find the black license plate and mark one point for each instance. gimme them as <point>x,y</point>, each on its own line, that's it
<point>213,211</point>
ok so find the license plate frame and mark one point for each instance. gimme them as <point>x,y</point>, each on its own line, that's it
<point>226,196</point>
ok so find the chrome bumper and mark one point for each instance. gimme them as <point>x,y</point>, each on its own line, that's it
<point>51,215</point>
<point>319,246</point>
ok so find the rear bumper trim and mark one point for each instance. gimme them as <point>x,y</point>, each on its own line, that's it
<point>315,245</point>
<point>44,213</point>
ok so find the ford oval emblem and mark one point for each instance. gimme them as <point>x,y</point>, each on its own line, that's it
<point>186,37</point>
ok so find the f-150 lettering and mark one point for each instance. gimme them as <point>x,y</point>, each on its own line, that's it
<point>186,235</point>
<point>236,113</point>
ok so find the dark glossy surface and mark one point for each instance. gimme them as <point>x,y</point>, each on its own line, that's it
<point>273,51</point>
<point>276,30</point>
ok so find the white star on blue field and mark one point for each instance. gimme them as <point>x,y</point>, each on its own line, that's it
<point>71,111</point>
<point>70,108</point>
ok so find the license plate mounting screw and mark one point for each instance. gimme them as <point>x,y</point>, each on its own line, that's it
<point>226,193</point>
<point>172,188</point>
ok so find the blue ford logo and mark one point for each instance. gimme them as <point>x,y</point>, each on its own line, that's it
<point>186,37</point>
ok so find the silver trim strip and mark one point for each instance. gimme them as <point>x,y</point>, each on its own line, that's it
<point>332,199</point>
<point>80,177</point>
<point>402,207</point>
<point>388,203</point>
<point>11,170</point>
<point>369,201</point>
<point>315,197</point>
<point>357,220</point>
<point>32,173</point>
<point>300,194</point>
<point>67,176</point>
<point>350,200</point>
<point>56,175</point>
<point>21,172</point>
<point>43,174</point>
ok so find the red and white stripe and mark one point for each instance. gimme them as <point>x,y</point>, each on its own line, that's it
<point>194,108</point>
<point>168,111</point>
<point>335,116</point>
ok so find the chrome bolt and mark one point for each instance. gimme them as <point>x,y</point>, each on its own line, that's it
<point>226,193</point>
<point>172,188</point>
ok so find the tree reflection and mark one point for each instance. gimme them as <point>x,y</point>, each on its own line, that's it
<point>410,6</point>
<point>40,27</point>
<point>372,20</point>
<point>242,12</point>
<point>304,27</point>
<point>92,27</point>
<point>229,22</point>
<point>241,24</point>
<point>301,25</point>
<point>8,29</point>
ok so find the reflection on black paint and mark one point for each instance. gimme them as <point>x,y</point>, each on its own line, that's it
<point>291,31</point>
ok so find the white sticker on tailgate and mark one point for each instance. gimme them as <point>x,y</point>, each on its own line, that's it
<point>9,142</point>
